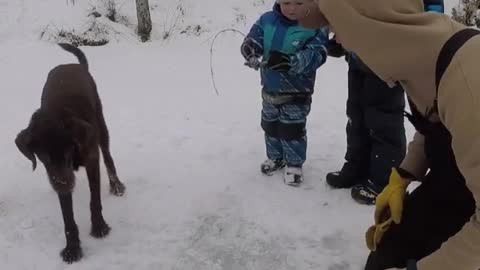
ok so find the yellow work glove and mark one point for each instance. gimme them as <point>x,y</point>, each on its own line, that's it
<point>391,198</point>
<point>375,233</point>
<point>388,208</point>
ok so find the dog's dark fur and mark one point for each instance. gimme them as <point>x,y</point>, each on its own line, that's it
<point>65,133</point>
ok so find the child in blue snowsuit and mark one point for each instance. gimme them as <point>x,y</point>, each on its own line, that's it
<point>290,56</point>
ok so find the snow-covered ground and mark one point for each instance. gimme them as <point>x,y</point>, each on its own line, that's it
<point>189,158</point>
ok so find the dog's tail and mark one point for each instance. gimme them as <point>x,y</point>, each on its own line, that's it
<point>76,51</point>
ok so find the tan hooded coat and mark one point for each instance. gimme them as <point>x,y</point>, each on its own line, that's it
<point>401,42</point>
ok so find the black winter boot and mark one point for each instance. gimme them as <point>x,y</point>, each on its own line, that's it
<point>347,177</point>
<point>365,193</point>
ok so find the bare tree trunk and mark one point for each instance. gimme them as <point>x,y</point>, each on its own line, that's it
<point>144,20</point>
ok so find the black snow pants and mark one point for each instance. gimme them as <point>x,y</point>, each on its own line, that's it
<point>376,139</point>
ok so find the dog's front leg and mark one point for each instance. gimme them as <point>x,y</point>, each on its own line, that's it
<point>99,227</point>
<point>72,252</point>
<point>116,186</point>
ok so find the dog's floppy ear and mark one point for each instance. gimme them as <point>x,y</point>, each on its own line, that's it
<point>24,144</point>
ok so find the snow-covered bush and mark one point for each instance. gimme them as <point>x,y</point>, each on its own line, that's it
<point>467,12</point>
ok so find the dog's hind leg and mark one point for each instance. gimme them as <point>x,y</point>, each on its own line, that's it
<point>116,186</point>
<point>99,227</point>
<point>72,252</point>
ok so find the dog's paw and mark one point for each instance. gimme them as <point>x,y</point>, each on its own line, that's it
<point>117,188</point>
<point>71,254</point>
<point>100,231</point>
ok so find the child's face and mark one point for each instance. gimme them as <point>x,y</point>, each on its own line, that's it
<point>290,8</point>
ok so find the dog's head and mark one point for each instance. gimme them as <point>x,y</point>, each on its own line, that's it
<point>57,141</point>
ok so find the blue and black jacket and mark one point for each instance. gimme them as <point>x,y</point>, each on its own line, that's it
<point>434,5</point>
<point>306,48</point>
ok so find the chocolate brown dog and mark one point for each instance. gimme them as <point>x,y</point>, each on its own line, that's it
<point>66,133</point>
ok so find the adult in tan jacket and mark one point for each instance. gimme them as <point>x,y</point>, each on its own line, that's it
<point>438,224</point>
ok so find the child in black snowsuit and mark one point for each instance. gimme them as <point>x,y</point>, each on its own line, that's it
<point>376,139</point>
